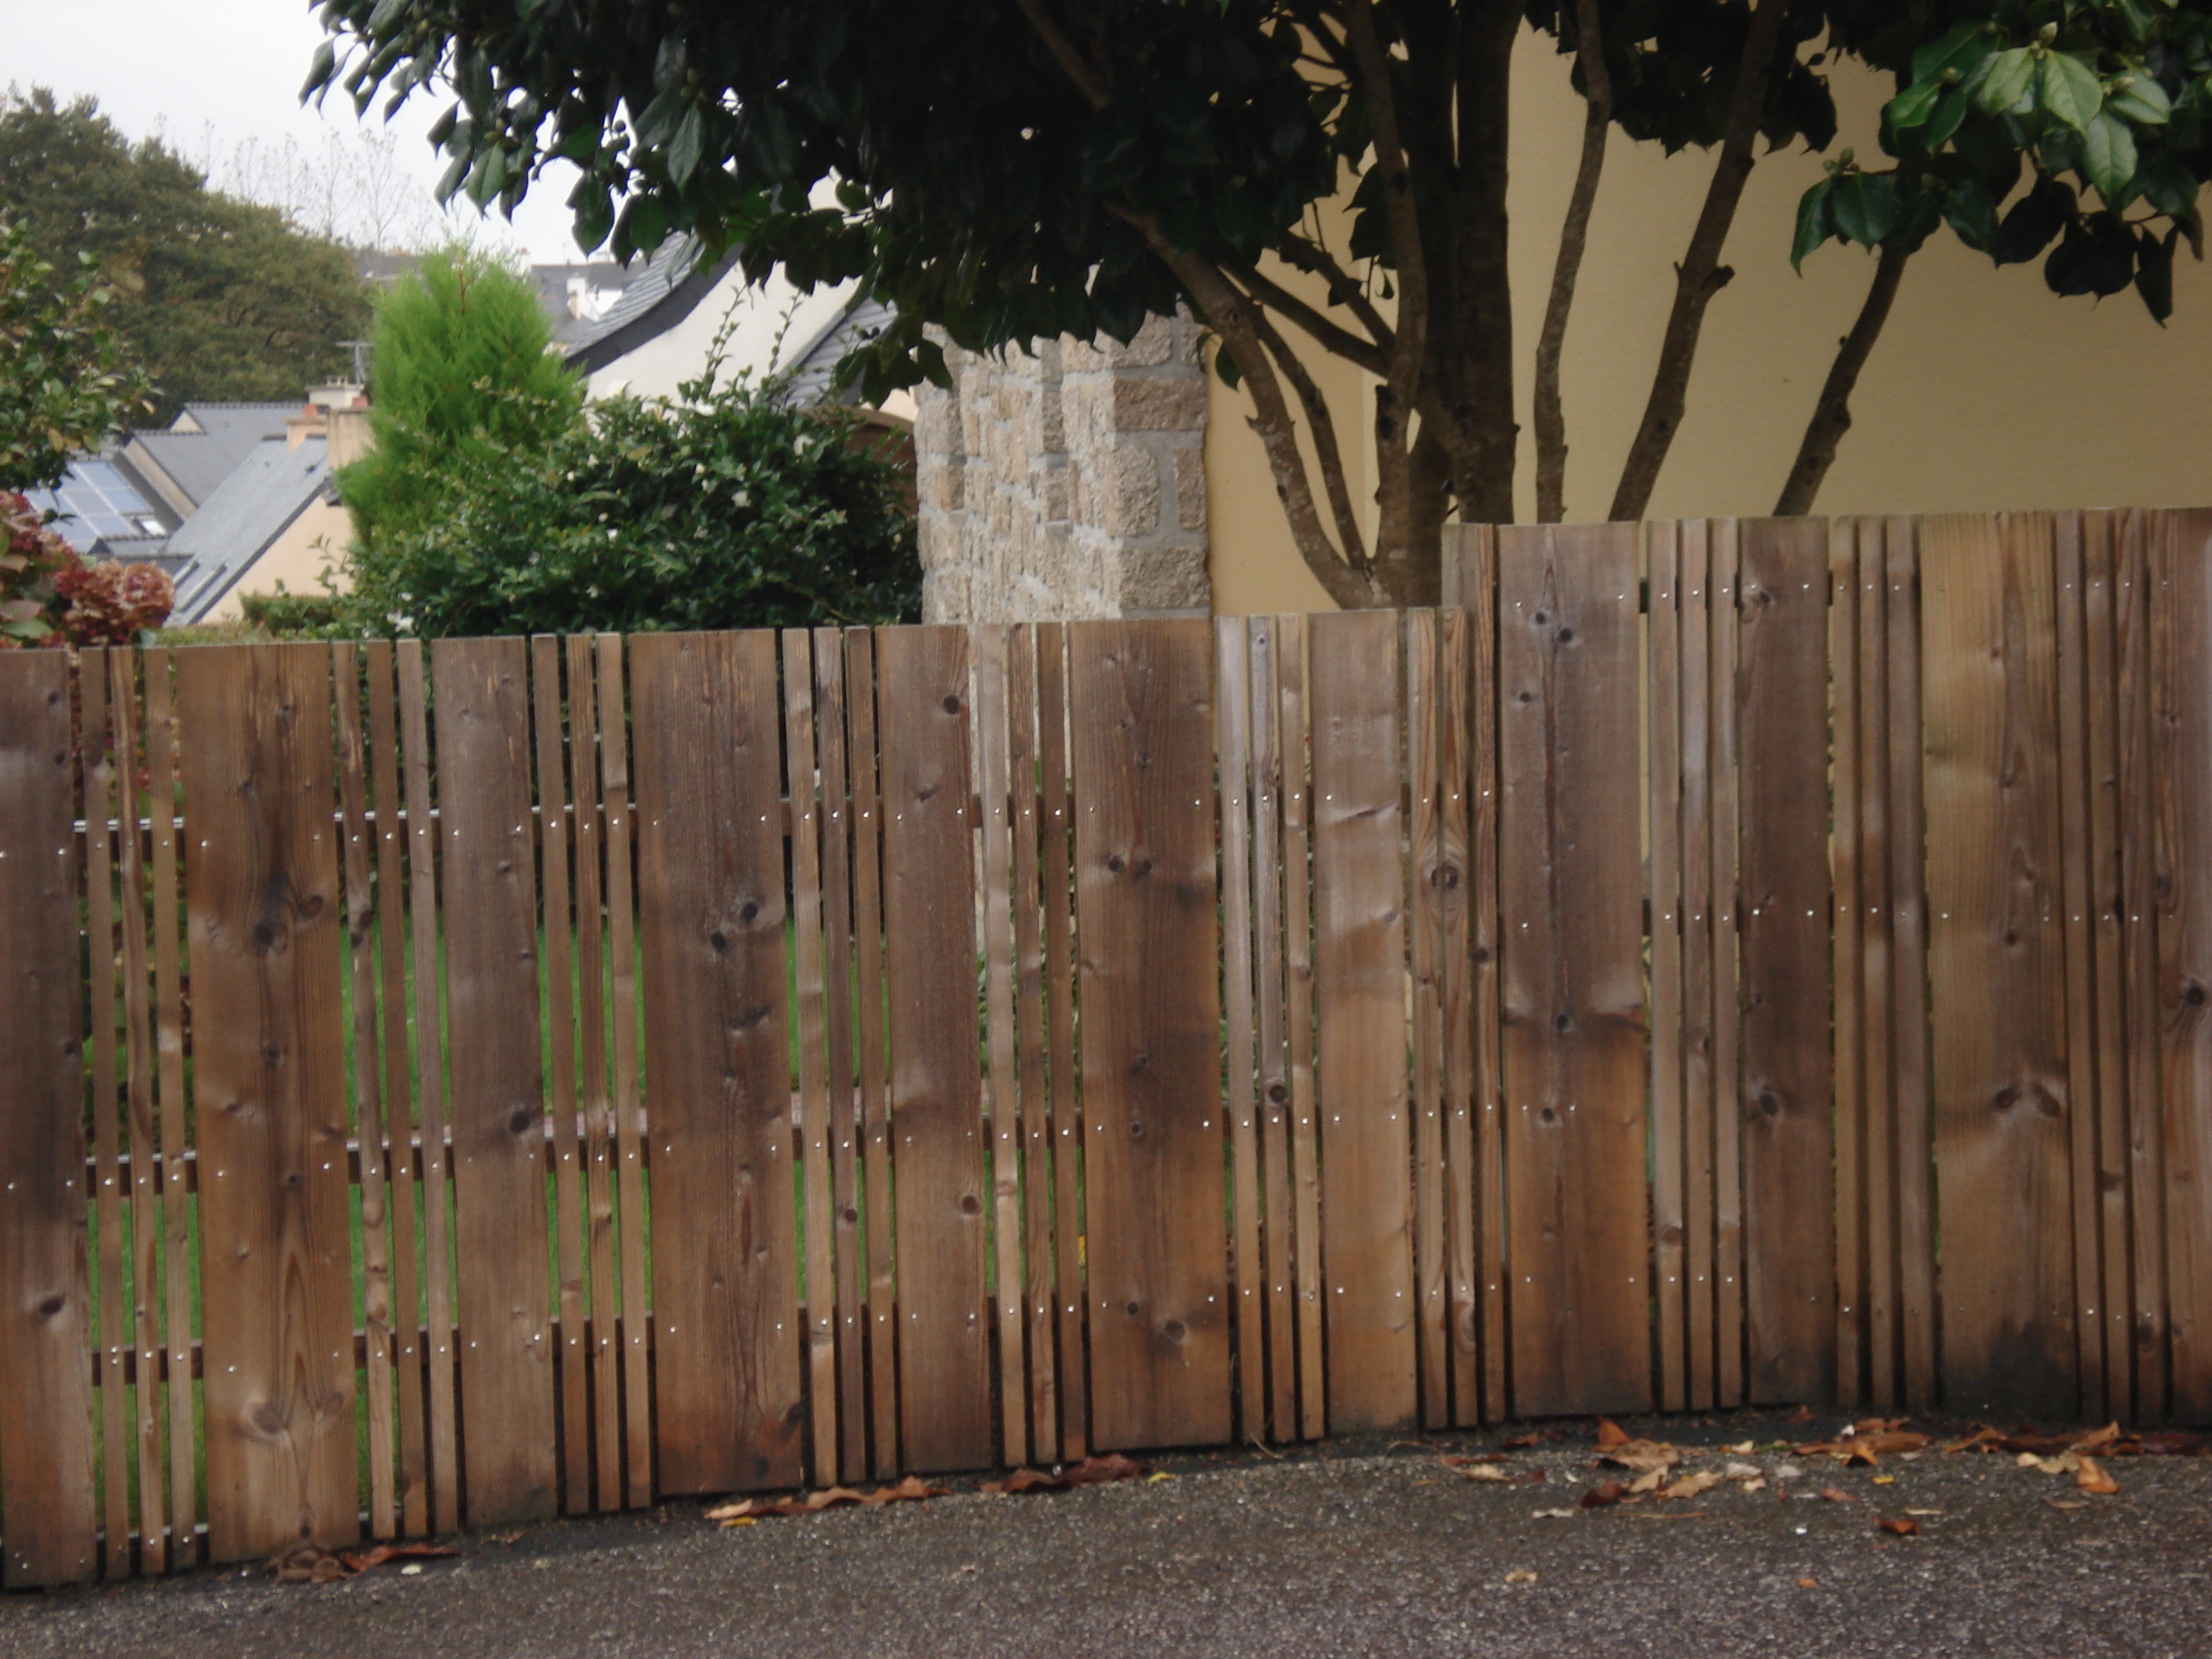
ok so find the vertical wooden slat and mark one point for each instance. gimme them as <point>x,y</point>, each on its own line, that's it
<point>377,1220</point>
<point>1574,1013</point>
<point>548,711</point>
<point>1067,1131</point>
<point>1478,566</point>
<point>1039,1248</point>
<point>936,1082</point>
<point>1726,615</point>
<point>2106,886</point>
<point>145,1243</point>
<point>2137,712</point>
<point>988,647</point>
<point>1876,918</point>
<point>96,743</point>
<point>1425,1100</point>
<point>1291,672</point>
<point>1451,889</point>
<point>178,1278</point>
<point>711,914</point>
<point>1787,1090</point>
<point>430,1086</point>
<point>875,1070</point>
<point>1360,997</point>
<point>1145,891</point>
<point>268,1059</point>
<point>47,1512</point>
<point>1232,710</point>
<point>1274,1077</point>
<point>629,1115</point>
<point>414,1471</point>
<point>1663,906</point>
<point>808,982</point>
<point>2181,597</point>
<point>2077,921</point>
<point>1908,913</point>
<point>844,1125</point>
<point>1697,913</point>
<point>1996,952</point>
<point>1846,841</point>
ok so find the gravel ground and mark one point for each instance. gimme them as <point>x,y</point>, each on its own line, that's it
<point>1358,1547</point>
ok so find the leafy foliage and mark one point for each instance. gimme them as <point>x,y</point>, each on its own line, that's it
<point>461,376</point>
<point>64,381</point>
<point>729,509</point>
<point>50,596</point>
<point>285,615</point>
<point>219,300</point>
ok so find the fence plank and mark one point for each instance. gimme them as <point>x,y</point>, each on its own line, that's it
<point>1850,746</point>
<point>994,785</point>
<point>1786,1094</point>
<point>1915,1199</point>
<point>413,1472</point>
<point>1724,589</point>
<point>1232,710</point>
<point>179,1258</point>
<point>1452,890</point>
<point>1038,1252</point>
<point>1477,565</point>
<point>1996,952</point>
<point>1360,995</point>
<point>711,935</point>
<point>1273,1078</point>
<point>1431,1307</point>
<point>936,1082</point>
<point>1700,930</point>
<point>875,1066</point>
<point>845,1136</point>
<point>46,1507</point>
<point>1664,907</point>
<point>497,1085</point>
<point>377,1221</point>
<point>1293,671</point>
<point>1143,754</point>
<point>268,1057</point>
<point>2181,571</point>
<point>819,1307</point>
<point>1573,992</point>
<point>145,1199</point>
<point>1876,924</point>
<point>1067,1133</point>
<point>547,719</point>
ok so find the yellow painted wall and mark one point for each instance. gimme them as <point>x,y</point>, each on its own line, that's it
<point>297,558</point>
<point>1985,391</point>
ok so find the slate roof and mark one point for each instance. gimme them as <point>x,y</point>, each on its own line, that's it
<point>198,462</point>
<point>271,488</point>
<point>667,291</point>
<point>815,360</point>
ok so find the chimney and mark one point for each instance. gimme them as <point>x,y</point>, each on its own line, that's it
<point>349,435</point>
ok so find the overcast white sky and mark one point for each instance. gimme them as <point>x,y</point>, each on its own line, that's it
<point>229,69</point>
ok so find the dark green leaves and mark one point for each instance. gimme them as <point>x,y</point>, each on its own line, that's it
<point>2066,89</point>
<point>1813,225</point>
<point>1863,206</point>
<point>2108,156</point>
<point>2010,77</point>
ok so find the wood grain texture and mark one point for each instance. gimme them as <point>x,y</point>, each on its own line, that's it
<point>2181,570</point>
<point>1997,961</point>
<point>46,1507</point>
<point>1292,685</point>
<point>1274,1077</point>
<point>1040,1248</point>
<point>1425,1100</point>
<point>1726,617</point>
<point>1354,662</point>
<point>1663,906</point>
<point>711,912</point>
<point>1884,1281</point>
<point>1141,694</point>
<point>936,1081</point>
<point>1232,710</point>
<point>489,908</point>
<point>1451,880</point>
<point>1848,933</point>
<point>1057,877</point>
<point>1570,912</point>
<point>1706,1102</point>
<point>1786,1095</point>
<point>264,903</point>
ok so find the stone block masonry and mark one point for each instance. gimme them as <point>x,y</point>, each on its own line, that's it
<point>1068,483</point>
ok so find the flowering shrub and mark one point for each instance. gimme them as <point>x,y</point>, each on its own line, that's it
<point>50,596</point>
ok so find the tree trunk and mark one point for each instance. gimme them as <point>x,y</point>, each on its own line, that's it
<point>1832,416</point>
<point>1574,236</point>
<point>1478,382</point>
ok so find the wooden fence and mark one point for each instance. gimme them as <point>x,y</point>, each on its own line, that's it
<point>529,1077</point>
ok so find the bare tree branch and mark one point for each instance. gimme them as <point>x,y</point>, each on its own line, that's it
<point>1323,425</point>
<point>1832,416</point>
<point>1368,355</point>
<point>1574,236</point>
<point>1306,254</point>
<point>1089,81</point>
<point>1701,275</point>
<point>1409,349</point>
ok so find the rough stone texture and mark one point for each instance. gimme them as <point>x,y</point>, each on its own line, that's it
<point>1069,483</point>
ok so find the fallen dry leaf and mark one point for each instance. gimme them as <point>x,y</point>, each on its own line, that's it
<point>1603,1496</point>
<point>1520,1575</point>
<point>2097,1439</point>
<point>1787,1471</point>
<point>1021,1480</point>
<point>1742,1448</point>
<point>1462,1460</point>
<point>1691,1485</point>
<point>1836,1496</point>
<point>1157,1476</point>
<point>2091,1478</point>
<point>1902,1525</point>
<point>912,1490</point>
<point>1742,1470</point>
<point>1808,1583</point>
<point>383,1552</point>
<point>1802,1414</point>
<point>1924,1511</point>
<point>1610,1434</point>
<point>1876,1425</point>
<point>1554,1515</point>
<point>1102,1471</point>
<point>1486,1472</point>
<point>1528,1437</point>
<point>1982,1437</point>
<point>2064,1463</point>
<point>1846,1452</point>
<point>1754,1485</point>
<point>1641,1455</point>
<point>1887,1441</point>
<point>1647,1482</point>
<point>2066,1502</point>
<point>1884,1480</point>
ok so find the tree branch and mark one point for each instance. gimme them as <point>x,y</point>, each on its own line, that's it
<point>1332,336</point>
<point>1326,450</point>
<point>1089,81</point>
<point>1832,416</point>
<point>1314,260</point>
<point>1551,420</point>
<point>1374,63</point>
<point>1701,275</point>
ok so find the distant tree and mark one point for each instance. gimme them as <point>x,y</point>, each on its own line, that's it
<point>459,376</point>
<point>219,299</point>
<point>66,380</point>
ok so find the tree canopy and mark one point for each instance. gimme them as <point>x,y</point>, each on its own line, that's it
<point>65,381</point>
<point>219,300</point>
<point>1031,168</point>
